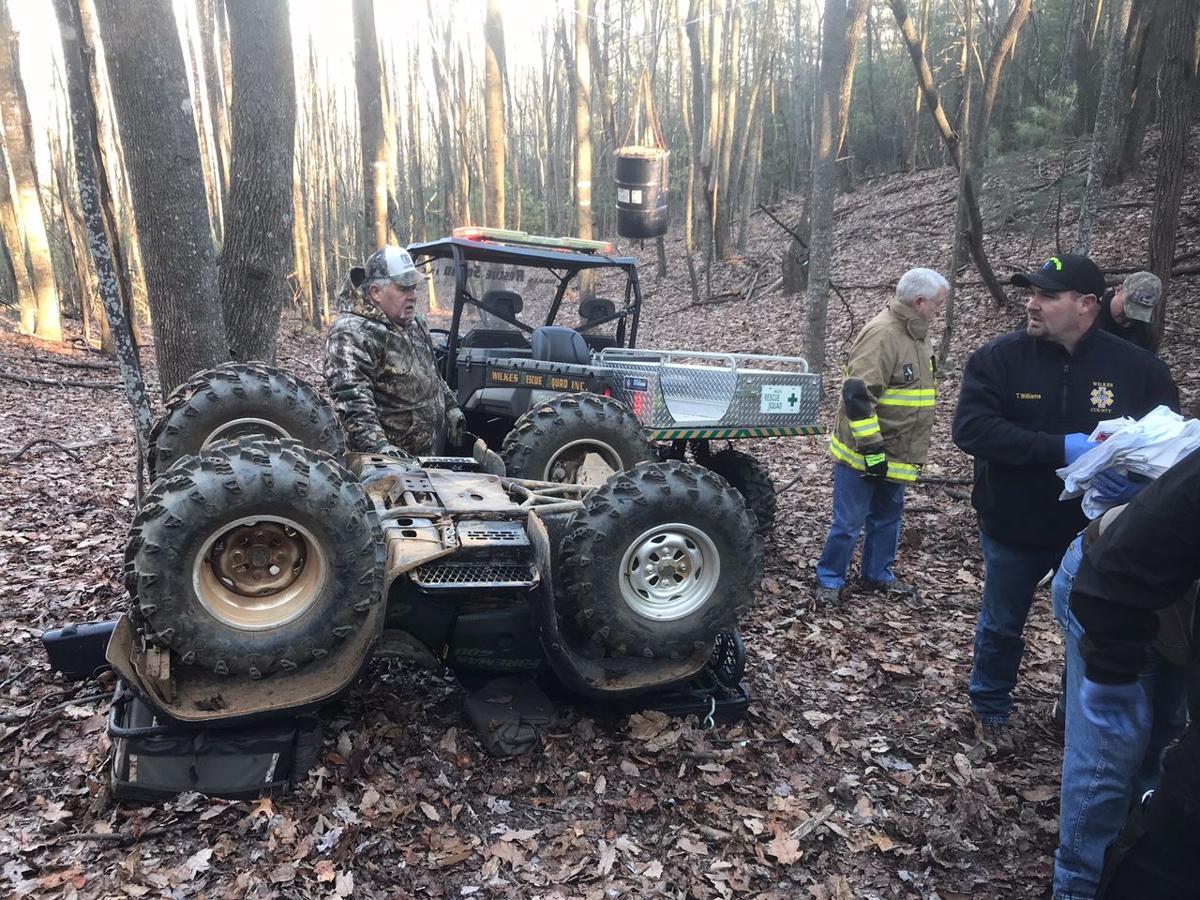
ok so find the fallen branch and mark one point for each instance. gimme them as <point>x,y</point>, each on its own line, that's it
<point>36,441</point>
<point>67,448</point>
<point>75,364</point>
<point>60,382</point>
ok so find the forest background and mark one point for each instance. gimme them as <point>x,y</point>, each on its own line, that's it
<point>210,170</point>
<point>264,147</point>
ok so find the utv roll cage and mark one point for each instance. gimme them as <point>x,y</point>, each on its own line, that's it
<point>563,261</point>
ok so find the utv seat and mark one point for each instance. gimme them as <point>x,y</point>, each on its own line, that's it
<point>554,343</point>
<point>597,309</point>
<point>504,303</point>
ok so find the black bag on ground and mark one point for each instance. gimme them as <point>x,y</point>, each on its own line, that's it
<point>152,759</point>
<point>510,715</point>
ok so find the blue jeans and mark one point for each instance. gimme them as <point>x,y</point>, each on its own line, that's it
<point>1103,775</point>
<point>1010,575</point>
<point>860,503</point>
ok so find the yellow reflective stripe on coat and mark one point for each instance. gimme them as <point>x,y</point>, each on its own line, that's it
<point>908,397</point>
<point>863,428</point>
<point>897,471</point>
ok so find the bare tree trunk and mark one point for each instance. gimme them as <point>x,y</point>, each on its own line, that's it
<point>925,79</point>
<point>855,21</point>
<point>114,183</point>
<point>90,308</point>
<point>11,230</point>
<point>370,125</point>
<point>1114,63</point>
<point>1178,82</point>
<point>723,194</point>
<point>1001,51</point>
<point>494,213</point>
<point>211,17</point>
<point>834,34</point>
<point>1145,91</point>
<point>583,122</point>
<point>257,253</point>
<point>416,170</point>
<point>154,110</point>
<point>195,59</point>
<point>687,106</point>
<point>961,215</point>
<point>92,186</point>
<point>18,137</point>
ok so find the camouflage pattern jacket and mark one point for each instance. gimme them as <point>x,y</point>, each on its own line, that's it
<point>384,382</point>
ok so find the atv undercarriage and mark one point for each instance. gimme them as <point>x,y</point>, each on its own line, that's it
<point>265,573</point>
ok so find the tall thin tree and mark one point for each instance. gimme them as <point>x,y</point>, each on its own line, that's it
<point>367,79</point>
<point>44,319</point>
<point>494,212</point>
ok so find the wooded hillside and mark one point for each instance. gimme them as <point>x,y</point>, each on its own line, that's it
<point>267,147</point>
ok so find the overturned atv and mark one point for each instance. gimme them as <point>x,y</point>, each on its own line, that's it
<point>264,572</point>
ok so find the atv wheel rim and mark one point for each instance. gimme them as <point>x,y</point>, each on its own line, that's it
<point>587,461</point>
<point>236,428</point>
<point>669,572</point>
<point>260,573</point>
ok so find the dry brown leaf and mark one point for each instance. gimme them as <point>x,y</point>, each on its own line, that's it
<point>430,811</point>
<point>324,870</point>
<point>696,848</point>
<point>506,851</point>
<point>784,847</point>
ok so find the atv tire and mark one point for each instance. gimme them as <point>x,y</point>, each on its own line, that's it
<point>254,557</point>
<point>236,400</point>
<point>552,440</point>
<point>752,481</point>
<point>659,561</point>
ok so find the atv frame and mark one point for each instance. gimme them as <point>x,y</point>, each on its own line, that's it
<point>264,572</point>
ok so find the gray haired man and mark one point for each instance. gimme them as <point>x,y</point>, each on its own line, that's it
<point>881,437</point>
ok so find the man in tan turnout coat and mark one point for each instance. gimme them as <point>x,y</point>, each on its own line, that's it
<point>881,436</point>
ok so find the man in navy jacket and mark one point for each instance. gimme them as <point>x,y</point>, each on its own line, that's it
<point>1028,402</point>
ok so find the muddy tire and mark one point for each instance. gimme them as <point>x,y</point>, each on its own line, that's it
<point>553,440</point>
<point>254,557</point>
<point>752,481</point>
<point>658,562</point>
<point>237,400</point>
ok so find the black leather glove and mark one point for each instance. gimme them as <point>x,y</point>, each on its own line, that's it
<point>876,464</point>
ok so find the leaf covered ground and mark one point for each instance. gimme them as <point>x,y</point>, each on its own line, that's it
<point>855,773</point>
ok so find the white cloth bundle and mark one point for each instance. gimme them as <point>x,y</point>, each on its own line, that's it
<point>1149,446</point>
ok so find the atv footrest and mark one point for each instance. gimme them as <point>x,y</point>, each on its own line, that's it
<point>460,576</point>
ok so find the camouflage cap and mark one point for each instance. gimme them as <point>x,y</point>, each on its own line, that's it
<point>391,263</point>
<point>1142,292</point>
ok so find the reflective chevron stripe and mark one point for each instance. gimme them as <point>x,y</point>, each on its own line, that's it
<point>908,397</point>
<point>897,471</point>
<point>864,428</point>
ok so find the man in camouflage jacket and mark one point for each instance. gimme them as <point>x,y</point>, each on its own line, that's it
<point>379,365</point>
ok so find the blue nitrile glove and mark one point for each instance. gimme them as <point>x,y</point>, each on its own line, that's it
<point>1075,445</point>
<point>1119,710</point>
<point>1111,488</point>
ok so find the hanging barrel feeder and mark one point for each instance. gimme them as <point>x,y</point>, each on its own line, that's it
<point>642,173</point>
